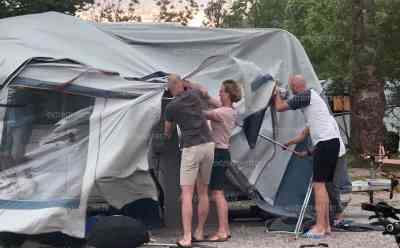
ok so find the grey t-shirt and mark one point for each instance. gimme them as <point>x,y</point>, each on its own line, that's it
<point>186,110</point>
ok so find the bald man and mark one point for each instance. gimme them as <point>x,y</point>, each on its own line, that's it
<point>326,140</point>
<point>197,155</point>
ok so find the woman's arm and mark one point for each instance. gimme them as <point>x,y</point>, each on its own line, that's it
<point>211,115</point>
<point>214,102</point>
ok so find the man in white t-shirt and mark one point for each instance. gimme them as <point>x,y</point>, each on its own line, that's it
<point>333,188</point>
<point>326,141</point>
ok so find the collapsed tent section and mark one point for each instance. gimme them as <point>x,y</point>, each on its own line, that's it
<point>66,135</point>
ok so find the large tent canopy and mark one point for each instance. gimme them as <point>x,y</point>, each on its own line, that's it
<point>90,99</point>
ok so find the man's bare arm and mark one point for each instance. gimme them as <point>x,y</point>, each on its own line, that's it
<point>168,129</point>
<point>299,138</point>
<point>280,104</point>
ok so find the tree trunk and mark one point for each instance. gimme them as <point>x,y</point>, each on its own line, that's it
<point>367,91</point>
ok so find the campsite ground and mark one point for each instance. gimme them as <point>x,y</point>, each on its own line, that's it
<point>249,235</point>
<point>252,234</point>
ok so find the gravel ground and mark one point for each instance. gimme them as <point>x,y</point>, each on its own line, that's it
<point>253,234</point>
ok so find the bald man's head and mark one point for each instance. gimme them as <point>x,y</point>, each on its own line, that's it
<point>297,83</point>
<point>175,84</point>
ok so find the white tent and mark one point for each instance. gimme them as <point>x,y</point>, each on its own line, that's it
<point>77,110</point>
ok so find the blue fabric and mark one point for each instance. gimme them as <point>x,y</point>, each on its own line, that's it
<point>260,80</point>
<point>75,89</point>
<point>14,204</point>
<point>24,113</point>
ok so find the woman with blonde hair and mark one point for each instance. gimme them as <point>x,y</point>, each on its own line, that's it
<point>223,118</point>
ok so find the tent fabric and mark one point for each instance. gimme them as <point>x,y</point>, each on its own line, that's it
<point>114,142</point>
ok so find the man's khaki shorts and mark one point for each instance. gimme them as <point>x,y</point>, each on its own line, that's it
<point>197,163</point>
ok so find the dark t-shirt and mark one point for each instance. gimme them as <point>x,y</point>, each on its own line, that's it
<point>186,110</point>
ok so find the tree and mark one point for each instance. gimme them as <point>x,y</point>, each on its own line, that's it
<point>113,11</point>
<point>367,89</point>
<point>215,13</point>
<point>324,29</point>
<point>388,24</point>
<point>238,15</point>
<point>182,13</point>
<point>257,13</point>
<point>10,8</point>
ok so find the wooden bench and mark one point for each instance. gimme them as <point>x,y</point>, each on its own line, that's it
<point>371,189</point>
<point>380,160</point>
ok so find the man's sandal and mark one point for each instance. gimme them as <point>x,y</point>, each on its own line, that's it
<point>315,245</point>
<point>196,240</point>
<point>311,235</point>
<point>179,245</point>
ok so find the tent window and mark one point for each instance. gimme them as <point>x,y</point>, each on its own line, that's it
<point>44,136</point>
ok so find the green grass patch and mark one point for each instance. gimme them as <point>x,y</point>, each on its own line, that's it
<point>355,161</point>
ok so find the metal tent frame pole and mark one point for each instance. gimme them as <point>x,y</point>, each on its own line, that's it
<point>297,230</point>
<point>300,220</point>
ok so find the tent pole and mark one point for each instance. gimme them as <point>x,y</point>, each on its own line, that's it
<point>277,143</point>
<point>297,230</point>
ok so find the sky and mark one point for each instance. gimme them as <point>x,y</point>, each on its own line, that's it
<point>148,10</point>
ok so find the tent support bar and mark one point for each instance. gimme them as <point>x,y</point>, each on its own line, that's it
<point>277,143</point>
<point>297,230</point>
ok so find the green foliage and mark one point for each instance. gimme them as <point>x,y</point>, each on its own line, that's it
<point>256,13</point>
<point>388,35</point>
<point>237,17</point>
<point>323,27</point>
<point>182,12</point>
<point>10,8</point>
<point>342,45</point>
<point>269,13</point>
<point>391,142</point>
<point>113,11</point>
<point>325,30</point>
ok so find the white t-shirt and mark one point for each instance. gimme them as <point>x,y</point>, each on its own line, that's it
<point>342,150</point>
<point>318,117</point>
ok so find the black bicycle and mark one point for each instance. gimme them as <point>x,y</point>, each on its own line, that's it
<point>385,216</point>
